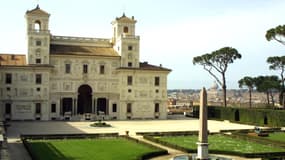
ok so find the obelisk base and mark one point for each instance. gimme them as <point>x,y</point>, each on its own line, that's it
<point>202,153</point>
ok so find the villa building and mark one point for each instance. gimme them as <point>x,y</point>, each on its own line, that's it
<point>73,77</point>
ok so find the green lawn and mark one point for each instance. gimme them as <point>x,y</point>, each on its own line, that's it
<point>88,149</point>
<point>222,143</point>
<point>277,136</point>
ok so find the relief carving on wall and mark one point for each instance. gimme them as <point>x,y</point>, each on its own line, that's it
<point>24,77</point>
<point>123,94</point>
<point>150,93</point>
<point>32,92</point>
<point>144,109</point>
<point>143,80</point>
<point>114,86</point>
<point>45,92</point>
<point>102,87</point>
<point>31,76</point>
<point>136,93</point>
<point>163,94</point>
<point>54,86</point>
<point>114,64</point>
<point>23,92</point>
<point>67,86</point>
<point>143,94</point>
<point>23,109</point>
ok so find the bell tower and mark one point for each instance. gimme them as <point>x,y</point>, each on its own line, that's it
<point>38,35</point>
<point>126,43</point>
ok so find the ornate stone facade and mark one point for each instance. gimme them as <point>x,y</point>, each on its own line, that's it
<point>71,77</point>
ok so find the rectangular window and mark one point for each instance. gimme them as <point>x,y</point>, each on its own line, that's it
<point>8,79</point>
<point>156,81</point>
<point>38,108</point>
<point>129,108</point>
<point>38,79</point>
<point>156,107</point>
<point>38,43</point>
<point>53,108</point>
<point>67,68</point>
<point>130,80</point>
<point>114,107</point>
<point>13,57</point>
<point>102,69</point>
<point>130,48</point>
<point>130,64</point>
<point>8,108</point>
<point>38,61</point>
<point>85,68</point>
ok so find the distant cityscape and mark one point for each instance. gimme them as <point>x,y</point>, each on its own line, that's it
<point>183,98</point>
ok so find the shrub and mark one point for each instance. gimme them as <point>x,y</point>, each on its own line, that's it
<point>261,117</point>
<point>100,124</point>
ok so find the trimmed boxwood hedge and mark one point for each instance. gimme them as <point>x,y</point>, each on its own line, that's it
<point>218,151</point>
<point>260,117</point>
<point>25,139</point>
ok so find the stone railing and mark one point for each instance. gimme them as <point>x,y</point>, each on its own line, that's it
<point>79,39</point>
<point>38,32</point>
<point>66,40</point>
<point>130,36</point>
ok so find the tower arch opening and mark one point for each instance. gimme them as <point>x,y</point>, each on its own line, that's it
<point>37,25</point>
<point>126,29</point>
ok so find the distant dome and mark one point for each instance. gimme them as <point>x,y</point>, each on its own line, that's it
<point>214,86</point>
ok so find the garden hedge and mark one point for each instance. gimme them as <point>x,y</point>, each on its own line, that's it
<point>146,156</point>
<point>260,117</point>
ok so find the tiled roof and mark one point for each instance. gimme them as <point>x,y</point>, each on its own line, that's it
<point>12,59</point>
<point>146,66</point>
<point>82,50</point>
<point>37,11</point>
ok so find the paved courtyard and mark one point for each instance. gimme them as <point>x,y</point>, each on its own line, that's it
<point>15,129</point>
<point>52,127</point>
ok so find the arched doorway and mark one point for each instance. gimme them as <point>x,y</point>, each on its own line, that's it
<point>84,103</point>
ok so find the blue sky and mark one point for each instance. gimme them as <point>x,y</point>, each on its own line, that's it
<point>172,31</point>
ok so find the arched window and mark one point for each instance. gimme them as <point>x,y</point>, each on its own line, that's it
<point>37,26</point>
<point>126,29</point>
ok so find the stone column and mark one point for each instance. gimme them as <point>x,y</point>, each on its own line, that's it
<point>203,127</point>
<point>60,106</point>
<point>2,111</point>
<point>75,106</point>
<point>92,105</point>
<point>95,106</point>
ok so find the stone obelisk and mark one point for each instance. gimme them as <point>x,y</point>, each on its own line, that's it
<point>203,128</point>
